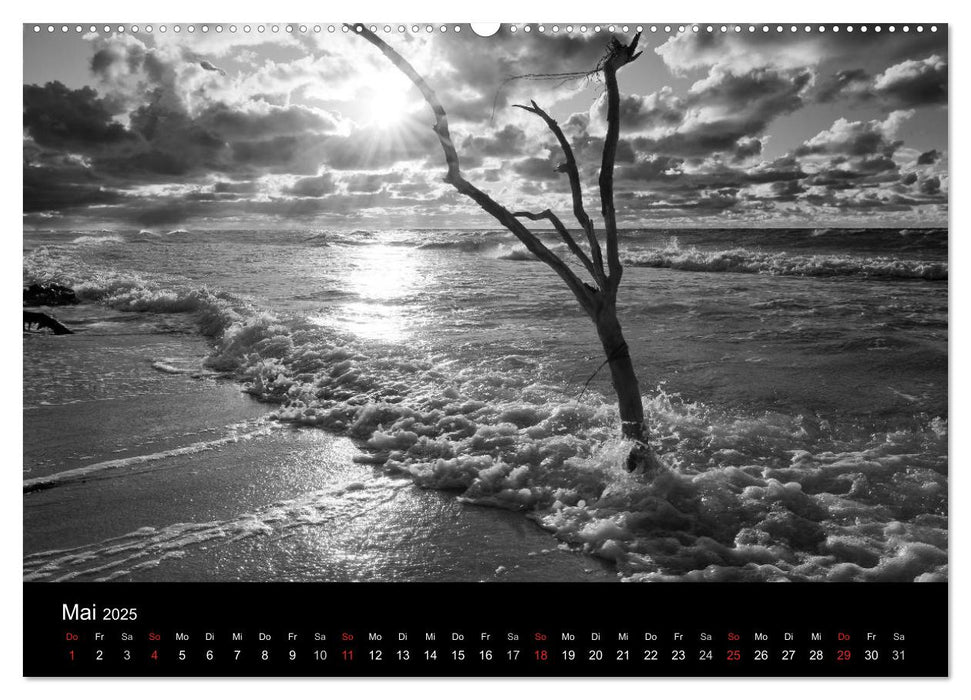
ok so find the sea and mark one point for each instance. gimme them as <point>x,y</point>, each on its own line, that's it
<point>795,383</point>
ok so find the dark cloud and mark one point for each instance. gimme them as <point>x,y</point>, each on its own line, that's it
<point>724,112</point>
<point>747,148</point>
<point>474,77</point>
<point>370,182</point>
<point>857,138</point>
<point>167,214</point>
<point>709,204</point>
<point>536,169</point>
<point>853,83</point>
<point>742,51</point>
<point>914,83</point>
<point>672,176</point>
<point>649,169</point>
<point>786,191</point>
<point>930,185</point>
<point>507,141</point>
<point>909,84</point>
<point>659,109</point>
<point>259,142</point>
<point>75,120</point>
<point>262,121</point>
<point>313,186</point>
<point>64,186</point>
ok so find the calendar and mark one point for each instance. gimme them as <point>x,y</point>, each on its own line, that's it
<point>367,349</point>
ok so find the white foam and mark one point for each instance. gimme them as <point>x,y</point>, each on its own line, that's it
<point>759,262</point>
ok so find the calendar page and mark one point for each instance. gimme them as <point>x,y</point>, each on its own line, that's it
<point>578,349</point>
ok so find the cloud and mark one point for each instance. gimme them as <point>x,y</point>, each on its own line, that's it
<point>237,187</point>
<point>857,138</point>
<point>508,141</point>
<point>77,120</point>
<point>741,52</point>
<point>259,120</point>
<point>854,83</point>
<point>313,186</point>
<point>930,185</point>
<point>59,184</point>
<point>909,84</point>
<point>786,191</point>
<point>688,51</point>
<point>536,168</point>
<point>371,182</point>
<point>657,110</point>
<point>724,112</point>
<point>174,128</point>
<point>472,74</point>
<point>914,83</point>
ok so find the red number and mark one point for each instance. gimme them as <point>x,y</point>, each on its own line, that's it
<point>734,655</point>
<point>541,655</point>
<point>842,654</point>
<point>154,654</point>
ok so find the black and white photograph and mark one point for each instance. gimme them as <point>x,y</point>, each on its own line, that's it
<point>622,303</point>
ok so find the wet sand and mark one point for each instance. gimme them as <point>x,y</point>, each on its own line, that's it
<point>193,483</point>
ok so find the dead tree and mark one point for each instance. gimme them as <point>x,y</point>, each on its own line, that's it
<point>599,300</point>
<point>42,320</point>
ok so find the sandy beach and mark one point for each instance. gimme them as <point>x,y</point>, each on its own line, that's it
<point>167,476</point>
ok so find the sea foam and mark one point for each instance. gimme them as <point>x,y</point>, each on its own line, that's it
<point>744,260</point>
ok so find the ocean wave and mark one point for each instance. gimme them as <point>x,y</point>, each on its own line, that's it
<point>518,253</point>
<point>743,260</point>
<point>97,240</point>
<point>132,292</point>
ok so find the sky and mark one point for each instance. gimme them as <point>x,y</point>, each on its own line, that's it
<point>306,129</point>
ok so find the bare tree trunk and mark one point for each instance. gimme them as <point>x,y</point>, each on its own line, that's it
<point>598,301</point>
<point>624,379</point>
<point>622,375</point>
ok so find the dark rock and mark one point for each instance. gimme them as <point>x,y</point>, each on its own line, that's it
<point>49,295</point>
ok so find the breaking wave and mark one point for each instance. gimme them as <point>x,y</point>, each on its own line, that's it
<point>744,260</point>
<point>97,240</point>
<point>125,291</point>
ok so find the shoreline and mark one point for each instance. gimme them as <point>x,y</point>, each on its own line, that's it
<point>178,485</point>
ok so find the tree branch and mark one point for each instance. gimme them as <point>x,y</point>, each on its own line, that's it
<point>582,292</point>
<point>570,167</point>
<point>565,235</point>
<point>619,55</point>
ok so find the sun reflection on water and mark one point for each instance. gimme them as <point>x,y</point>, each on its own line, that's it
<point>380,277</point>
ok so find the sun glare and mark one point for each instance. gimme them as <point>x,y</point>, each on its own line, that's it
<point>386,102</point>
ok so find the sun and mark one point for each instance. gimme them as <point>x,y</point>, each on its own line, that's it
<point>387,100</point>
